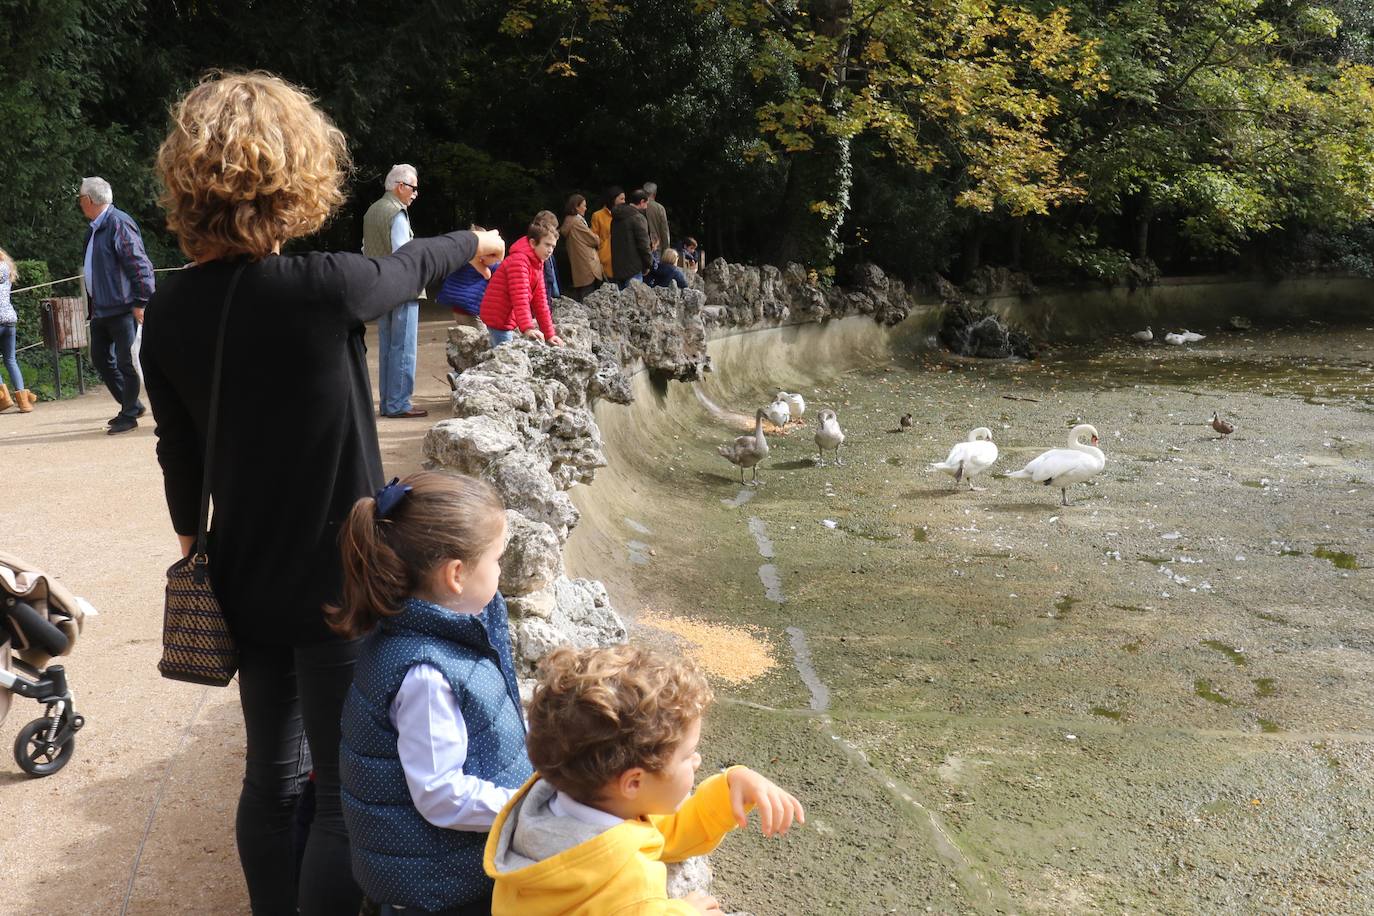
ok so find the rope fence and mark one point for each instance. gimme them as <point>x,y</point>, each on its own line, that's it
<point>43,345</point>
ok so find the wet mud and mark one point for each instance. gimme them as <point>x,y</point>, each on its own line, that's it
<point>1155,699</point>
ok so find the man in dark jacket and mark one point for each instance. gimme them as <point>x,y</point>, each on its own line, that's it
<point>119,283</point>
<point>630,257</point>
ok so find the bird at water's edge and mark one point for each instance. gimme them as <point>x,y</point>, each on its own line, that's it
<point>747,451</point>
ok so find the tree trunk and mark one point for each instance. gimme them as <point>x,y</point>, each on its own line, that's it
<point>821,175</point>
<point>1018,233</point>
<point>973,248</point>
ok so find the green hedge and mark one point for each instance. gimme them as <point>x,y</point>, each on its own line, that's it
<point>36,363</point>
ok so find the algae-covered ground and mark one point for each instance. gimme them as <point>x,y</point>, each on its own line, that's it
<point>1157,699</point>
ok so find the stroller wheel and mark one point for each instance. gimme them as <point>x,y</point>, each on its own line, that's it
<point>35,755</point>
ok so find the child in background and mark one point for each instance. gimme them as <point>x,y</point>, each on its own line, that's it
<point>551,290</point>
<point>614,734</point>
<point>667,273</point>
<point>433,739</point>
<point>516,301</point>
<point>463,289</point>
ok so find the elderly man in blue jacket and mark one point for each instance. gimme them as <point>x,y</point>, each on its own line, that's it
<point>119,283</point>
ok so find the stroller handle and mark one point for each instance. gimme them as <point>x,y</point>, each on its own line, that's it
<point>31,628</point>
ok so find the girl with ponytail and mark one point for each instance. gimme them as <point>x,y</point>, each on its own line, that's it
<point>433,732</point>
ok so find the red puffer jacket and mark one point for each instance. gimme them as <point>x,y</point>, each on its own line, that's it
<point>515,298</point>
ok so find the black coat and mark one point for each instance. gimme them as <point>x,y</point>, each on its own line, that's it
<point>296,443</point>
<point>629,242</point>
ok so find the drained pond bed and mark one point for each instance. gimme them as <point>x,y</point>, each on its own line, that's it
<point>1157,698</point>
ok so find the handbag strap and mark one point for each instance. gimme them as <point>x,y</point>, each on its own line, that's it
<point>201,558</point>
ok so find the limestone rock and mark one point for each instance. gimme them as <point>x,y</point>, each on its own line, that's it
<point>525,485</point>
<point>574,447</point>
<point>540,604</point>
<point>689,875</point>
<point>532,559</point>
<point>466,347</point>
<point>582,617</point>
<point>469,444</point>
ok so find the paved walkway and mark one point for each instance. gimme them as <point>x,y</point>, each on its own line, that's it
<point>141,819</point>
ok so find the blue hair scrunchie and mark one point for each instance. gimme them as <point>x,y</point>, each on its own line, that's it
<point>390,496</point>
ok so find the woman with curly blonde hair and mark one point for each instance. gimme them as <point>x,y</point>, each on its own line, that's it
<point>250,163</point>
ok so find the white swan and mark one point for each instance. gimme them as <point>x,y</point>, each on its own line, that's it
<point>1175,339</point>
<point>1063,467</point>
<point>795,402</point>
<point>779,412</point>
<point>828,435</point>
<point>747,451</point>
<point>1144,336</point>
<point>1192,336</point>
<point>970,458</point>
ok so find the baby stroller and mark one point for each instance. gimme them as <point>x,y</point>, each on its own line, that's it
<point>39,620</point>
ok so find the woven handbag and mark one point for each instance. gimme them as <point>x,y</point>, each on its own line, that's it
<point>196,643</point>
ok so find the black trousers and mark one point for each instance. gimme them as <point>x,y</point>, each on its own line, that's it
<point>292,699</point>
<point>112,351</point>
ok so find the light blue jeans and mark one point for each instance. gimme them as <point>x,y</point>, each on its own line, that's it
<point>7,332</point>
<point>397,337</point>
<point>499,337</point>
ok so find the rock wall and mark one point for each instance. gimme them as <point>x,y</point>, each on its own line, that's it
<point>522,414</point>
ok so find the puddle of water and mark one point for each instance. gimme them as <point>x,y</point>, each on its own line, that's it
<point>639,552</point>
<point>745,494</point>
<point>920,534</point>
<point>1338,558</point>
<point>1115,715</point>
<point>637,527</point>
<point>772,583</point>
<point>1265,687</point>
<point>1268,726</point>
<point>1273,618</point>
<point>894,460</point>
<point>1291,553</point>
<point>1132,608</point>
<point>760,532</point>
<point>1153,561</point>
<point>1237,656</point>
<point>1252,483</point>
<point>1064,606</point>
<point>1204,689</point>
<point>1132,647</point>
<point>801,655</point>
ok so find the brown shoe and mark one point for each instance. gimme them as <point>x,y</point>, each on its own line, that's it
<point>25,400</point>
<point>407,414</point>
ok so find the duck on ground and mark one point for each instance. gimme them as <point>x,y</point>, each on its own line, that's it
<point>779,412</point>
<point>795,403</point>
<point>904,422</point>
<point>828,436</point>
<point>1221,426</point>
<point>1192,336</point>
<point>1064,467</point>
<point>1175,339</point>
<point>747,451</point>
<point>970,458</point>
<point>1144,336</point>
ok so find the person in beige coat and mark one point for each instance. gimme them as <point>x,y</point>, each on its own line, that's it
<point>582,245</point>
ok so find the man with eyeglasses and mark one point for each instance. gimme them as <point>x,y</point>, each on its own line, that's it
<point>119,283</point>
<point>386,227</point>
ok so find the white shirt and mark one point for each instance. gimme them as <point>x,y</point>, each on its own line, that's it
<point>433,746</point>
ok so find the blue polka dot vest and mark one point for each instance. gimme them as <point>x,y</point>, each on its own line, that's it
<point>399,857</point>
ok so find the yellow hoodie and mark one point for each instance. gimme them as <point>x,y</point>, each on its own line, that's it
<point>617,871</point>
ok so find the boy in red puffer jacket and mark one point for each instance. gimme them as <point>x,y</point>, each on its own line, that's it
<point>516,299</point>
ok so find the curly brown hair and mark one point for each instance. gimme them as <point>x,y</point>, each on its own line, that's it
<point>250,163</point>
<point>599,712</point>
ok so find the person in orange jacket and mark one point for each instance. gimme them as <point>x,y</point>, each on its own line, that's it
<point>613,736</point>
<point>601,225</point>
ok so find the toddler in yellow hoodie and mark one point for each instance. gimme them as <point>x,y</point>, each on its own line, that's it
<point>613,737</point>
